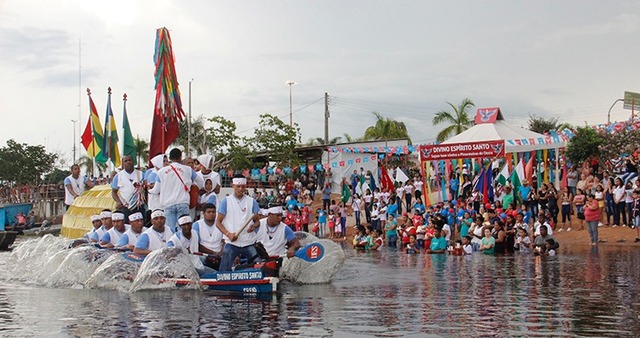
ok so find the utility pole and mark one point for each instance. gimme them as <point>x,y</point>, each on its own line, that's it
<point>326,118</point>
<point>74,140</point>
<point>189,122</point>
<point>290,83</point>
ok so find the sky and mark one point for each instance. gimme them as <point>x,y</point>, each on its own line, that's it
<point>403,59</point>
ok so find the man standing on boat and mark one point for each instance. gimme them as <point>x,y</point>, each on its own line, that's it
<point>210,236</point>
<point>154,238</point>
<point>276,237</point>
<point>153,193</point>
<point>174,182</point>
<point>74,186</point>
<point>234,212</point>
<point>131,236</point>
<point>112,236</point>
<point>126,188</point>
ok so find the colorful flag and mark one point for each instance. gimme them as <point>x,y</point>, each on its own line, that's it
<point>346,192</point>
<point>502,176</point>
<point>385,182</point>
<point>129,147</point>
<point>401,176</point>
<point>110,145</point>
<point>168,110</point>
<point>92,137</point>
<point>517,176</point>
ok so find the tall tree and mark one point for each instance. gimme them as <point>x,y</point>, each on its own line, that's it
<point>386,129</point>
<point>21,163</point>
<point>584,144</point>
<point>198,142</point>
<point>277,138</point>
<point>458,119</point>
<point>142,152</point>
<point>542,125</point>
<point>221,135</point>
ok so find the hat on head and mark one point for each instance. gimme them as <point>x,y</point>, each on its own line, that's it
<point>95,218</point>
<point>136,216</point>
<point>184,220</point>
<point>276,209</point>
<point>206,160</point>
<point>157,213</point>
<point>117,216</point>
<point>105,214</point>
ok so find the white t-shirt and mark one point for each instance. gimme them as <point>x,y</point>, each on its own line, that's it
<point>126,183</point>
<point>618,192</point>
<point>408,189</point>
<point>447,228</point>
<point>77,184</point>
<point>418,185</point>
<point>172,189</point>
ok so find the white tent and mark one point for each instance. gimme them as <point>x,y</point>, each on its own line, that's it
<point>512,135</point>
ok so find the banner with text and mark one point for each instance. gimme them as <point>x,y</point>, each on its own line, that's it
<point>484,149</point>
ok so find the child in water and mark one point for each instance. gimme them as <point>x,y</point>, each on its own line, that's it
<point>412,246</point>
<point>523,241</point>
<point>466,245</point>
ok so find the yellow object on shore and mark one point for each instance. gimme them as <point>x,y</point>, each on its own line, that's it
<point>76,222</point>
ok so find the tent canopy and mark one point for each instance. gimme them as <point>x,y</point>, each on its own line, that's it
<point>502,130</point>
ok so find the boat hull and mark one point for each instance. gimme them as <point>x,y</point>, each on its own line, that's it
<point>6,239</point>
<point>243,281</point>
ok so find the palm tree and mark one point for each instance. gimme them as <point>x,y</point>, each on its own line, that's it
<point>86,162</point>
<point>142,150</point>
<point>386,129</point>
<point>198,135</point>
<point>351,139</point>
<point>458,121</point>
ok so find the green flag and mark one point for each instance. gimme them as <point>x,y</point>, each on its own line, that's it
<point>502,176</point>
<point>517,176</point>
<point>346,192</point>
<point>129,147</point>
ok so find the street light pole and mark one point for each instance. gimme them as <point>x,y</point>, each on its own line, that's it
<point>609,113</point>
<point>189,121</point>
<point>290,83</point>
<point>74,140</point>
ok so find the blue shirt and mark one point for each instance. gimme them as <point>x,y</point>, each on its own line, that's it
<point>438,244</point>
<point>143,242</point>
<point>222,208</point>
<point>392,209</point>
<point>524,192</point>
<point>288,234</point>
<point>322,217</point>
<point>124,240</point>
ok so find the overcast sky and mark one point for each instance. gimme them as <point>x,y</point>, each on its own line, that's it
<point>404,59</point>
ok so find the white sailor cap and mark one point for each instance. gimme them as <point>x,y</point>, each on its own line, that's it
<point>135,216</point>
<point>184,220</point>
<point>157,213</point>
<point>117,216</point>
<point>105,214</point>
<point>95,218</point>
<point>275,210</point>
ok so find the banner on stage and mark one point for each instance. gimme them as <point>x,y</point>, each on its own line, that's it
<point>484,149</point>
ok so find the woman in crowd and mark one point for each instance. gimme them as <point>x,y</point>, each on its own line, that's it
<point>592,216</point>
<point>619,198</point>
<point>609,203</point>
<point>553,204</point>
<point>391,229</point>
<point>578,202</point>
<point>488,243</point>
<point>628,190</point>
<point>600,198</point>
<point>543,199</point>
<point>500,236</point>
<point>566,201</point>
<point>356,205</point>
<point>476,231</point>
<point>510,231</point>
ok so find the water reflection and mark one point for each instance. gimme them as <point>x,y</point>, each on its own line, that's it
<point>588,292</point>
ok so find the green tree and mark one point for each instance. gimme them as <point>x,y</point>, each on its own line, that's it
<point>584,144</point>
<point>542,125</point>
<point>57,176</point>
<point>21,163</point>
<point>386,129</point>
<point>221,136</point>
<point>277,139</point>
<point>142,150</point>
<point>86,162</point>
<point>458,120</point>
<point>198,142</point>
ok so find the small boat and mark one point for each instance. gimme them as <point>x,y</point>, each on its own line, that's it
<point>45,228</point>
<point>252,280</point>
<point>7,215</point>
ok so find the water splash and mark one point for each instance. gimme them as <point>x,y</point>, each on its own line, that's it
<point>302,272</point>
<point>116,273</point>
<point>162,265</point>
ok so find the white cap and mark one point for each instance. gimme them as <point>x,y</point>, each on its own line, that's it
<point>135,216</point>
<point>184,220</point>
<point>157,213</point>
<point>117,216</point>
<point>105,214</point>
<point>95,218</point>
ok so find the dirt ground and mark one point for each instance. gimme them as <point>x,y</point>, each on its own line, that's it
<point>608,236</point>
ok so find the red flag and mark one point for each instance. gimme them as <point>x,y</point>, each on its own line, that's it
<point>385,181</point>
<point>528,169</point>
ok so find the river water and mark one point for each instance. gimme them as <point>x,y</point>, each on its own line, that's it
<point>580,292</point>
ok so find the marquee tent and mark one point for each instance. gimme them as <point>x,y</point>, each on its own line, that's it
<point>516,139</point>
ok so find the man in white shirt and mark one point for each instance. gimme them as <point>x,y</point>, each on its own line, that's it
<point>105,218</point>
<point>210,236</point>
<point>126,188</point>
<point>276,237</point>
<point>97,223</point>
<point>131,236</point>
<point>234,212</point>
<point>150,178</point>
<point>74,186</point>
<point>154,238</point>
<point>112,236</point>
<point>174,182</point>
